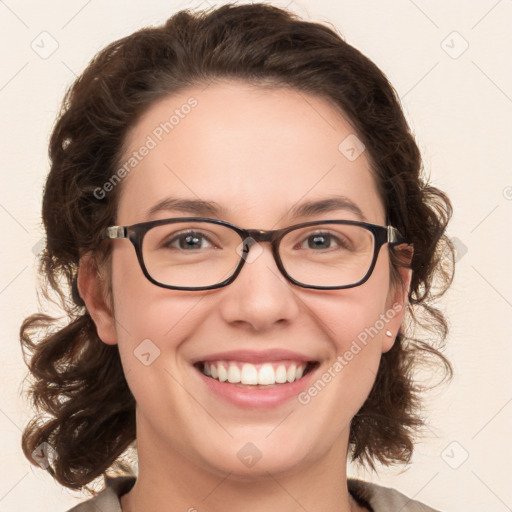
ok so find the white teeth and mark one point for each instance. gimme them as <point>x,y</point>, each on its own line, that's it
<point>223,374</point>
<point>233,374</point>
<point>290,374</point>
<point>281,374</point>
<point>266,374</point>
<point>249,374</point>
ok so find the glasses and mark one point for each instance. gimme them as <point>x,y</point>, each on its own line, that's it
<point>195,253</point>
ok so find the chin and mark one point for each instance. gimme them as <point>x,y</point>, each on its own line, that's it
<point>247,460</point>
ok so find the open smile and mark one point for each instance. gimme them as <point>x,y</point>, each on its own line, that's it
<point>256,375</point>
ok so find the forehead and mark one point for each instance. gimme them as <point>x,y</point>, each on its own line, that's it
<point>255,153</point>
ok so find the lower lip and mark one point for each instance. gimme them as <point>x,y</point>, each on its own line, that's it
<point>254,397</point>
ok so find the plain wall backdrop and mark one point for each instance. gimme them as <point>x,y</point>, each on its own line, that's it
<point>450,62</point>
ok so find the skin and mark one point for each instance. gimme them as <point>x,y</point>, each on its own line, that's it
<point>256,152</point>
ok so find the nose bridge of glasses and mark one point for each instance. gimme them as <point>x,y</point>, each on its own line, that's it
<point>255,236</point>
<point>260,235</point>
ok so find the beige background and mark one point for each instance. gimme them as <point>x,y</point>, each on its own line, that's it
<point>459,103</point>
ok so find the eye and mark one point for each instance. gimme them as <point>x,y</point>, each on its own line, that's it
<point>189,240</point>
<point>325,240</point>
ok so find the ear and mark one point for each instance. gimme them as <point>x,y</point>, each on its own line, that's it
<point>93,288</point>
<point>397,300</point>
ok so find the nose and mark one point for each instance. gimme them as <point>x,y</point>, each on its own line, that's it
<point>260,296</point>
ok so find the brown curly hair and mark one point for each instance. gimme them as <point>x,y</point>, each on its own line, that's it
<point>86,411</point>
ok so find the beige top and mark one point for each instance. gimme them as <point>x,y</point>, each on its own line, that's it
<point>374,497</point>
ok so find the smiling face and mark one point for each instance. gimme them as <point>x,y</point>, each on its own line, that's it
<point>255,154</point>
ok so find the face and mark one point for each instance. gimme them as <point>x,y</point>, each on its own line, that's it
<point>255,153</point>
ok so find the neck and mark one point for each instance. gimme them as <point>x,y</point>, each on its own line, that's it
<point>169,481</point>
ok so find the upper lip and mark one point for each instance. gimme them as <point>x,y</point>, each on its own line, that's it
<point>253,356</point>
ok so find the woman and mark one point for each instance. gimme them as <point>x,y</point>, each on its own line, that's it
<point>236,206</point>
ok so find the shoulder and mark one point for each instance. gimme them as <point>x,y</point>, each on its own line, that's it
<point>384,499</point>
<point>107,500</point>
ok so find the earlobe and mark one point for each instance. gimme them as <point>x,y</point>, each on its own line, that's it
<point>92,289</point>
<point>396,307</point>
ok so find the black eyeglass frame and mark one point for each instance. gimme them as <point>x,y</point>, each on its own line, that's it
<point>136,232</point>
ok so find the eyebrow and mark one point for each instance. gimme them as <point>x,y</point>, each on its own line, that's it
<point>201,207</point>
<point>197,207</point>
<point>328,204</point>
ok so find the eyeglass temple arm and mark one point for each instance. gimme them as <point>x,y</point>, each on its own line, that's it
<point>115,232</point>
<point>394,236</point>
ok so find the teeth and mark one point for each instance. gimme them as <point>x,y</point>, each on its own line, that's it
<point>223,374</point>
<point>290,374</point>
<point>233,374</point>
<point>281,375</point>
<point>265,374</point>
<point>249,374</point>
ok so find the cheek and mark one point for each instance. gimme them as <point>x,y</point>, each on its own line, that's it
<point>355,328</point>
<point>150,318</point>
<point>356,315</point>
<point>355,321</point>
<point>140,316</point>
<point>149,312</point>
<point>141,308</point>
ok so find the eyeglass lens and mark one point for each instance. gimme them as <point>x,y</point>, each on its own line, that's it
<point>197,254</point>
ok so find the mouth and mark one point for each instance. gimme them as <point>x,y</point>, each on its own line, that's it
<point>264,375</point>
